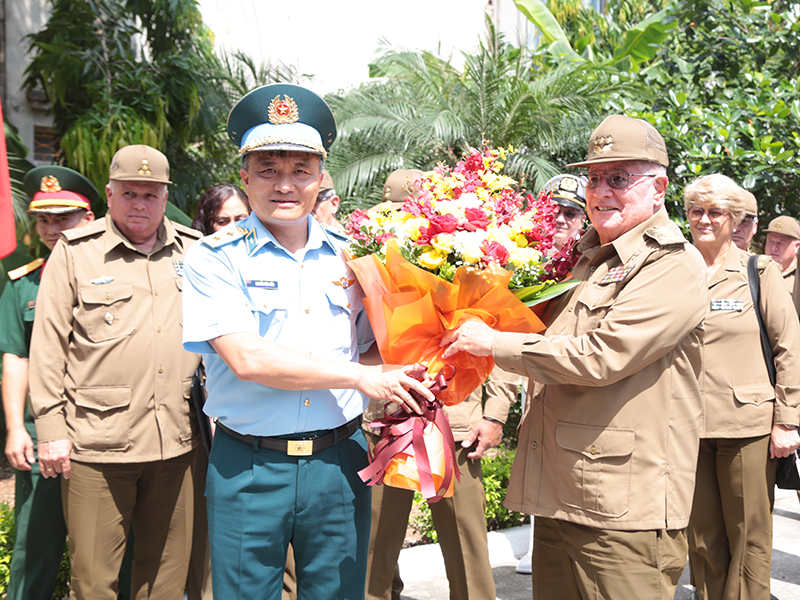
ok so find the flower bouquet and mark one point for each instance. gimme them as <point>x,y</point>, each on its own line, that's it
<point>466,246</point>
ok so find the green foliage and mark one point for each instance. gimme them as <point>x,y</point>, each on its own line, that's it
<point>496,470</point>
<point>7,535</point>
<point>423,109</point>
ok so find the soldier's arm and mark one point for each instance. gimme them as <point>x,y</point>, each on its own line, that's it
<point>19,446</point>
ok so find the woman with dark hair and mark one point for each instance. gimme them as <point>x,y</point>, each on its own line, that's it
<point>220,206</point>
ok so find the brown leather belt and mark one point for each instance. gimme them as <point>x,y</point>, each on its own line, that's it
<point>297,447</point>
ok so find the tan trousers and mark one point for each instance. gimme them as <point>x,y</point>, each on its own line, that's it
<point>102,501</point>
<point>730,530</point>
<point>460,523</point>
<point>576,562</point>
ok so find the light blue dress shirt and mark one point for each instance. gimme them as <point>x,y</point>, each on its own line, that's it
<point>307,301</point>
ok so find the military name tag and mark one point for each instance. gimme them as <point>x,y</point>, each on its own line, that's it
<point>727,304</point>
<point>264,284</point>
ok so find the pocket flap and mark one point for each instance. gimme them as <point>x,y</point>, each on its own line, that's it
<point>338,296</point>
<point>595,297</point>
<point>595,442</point>
<point>103,398</point>
<point>754,393</point>
<point>106,294</point>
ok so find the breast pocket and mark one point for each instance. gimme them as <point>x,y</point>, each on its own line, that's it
<point>594,468</point>
<point>101,418</point>
<point>107,311</point>
<point>593,304</point>
<point>271,309</point>
<point>342,304</point>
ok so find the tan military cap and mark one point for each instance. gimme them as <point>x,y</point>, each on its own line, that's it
<point>139,163</point>
<point>327,182</point>
<point>400,185</point>
<point>785,225</point>
<point>620,137</point>
<point>750,203</point>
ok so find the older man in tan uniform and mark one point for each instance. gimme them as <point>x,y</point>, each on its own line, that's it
<point>744,232</point>
<point>783,244</point>
<point>608,443</point>
<point>110,384</point>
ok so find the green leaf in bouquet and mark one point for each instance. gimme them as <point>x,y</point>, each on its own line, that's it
<point>536,294</point>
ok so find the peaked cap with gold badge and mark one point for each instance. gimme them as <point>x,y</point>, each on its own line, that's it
<point>139,163</point>
<point>620,137</point>
<point>282,116</point>
<point>567,190</point>
<point>55,190</point>
<point>785,225</point>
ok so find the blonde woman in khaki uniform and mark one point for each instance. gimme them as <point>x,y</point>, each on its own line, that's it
<point>746,423</point>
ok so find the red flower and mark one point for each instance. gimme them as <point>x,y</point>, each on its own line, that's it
<point>495,251</point>
<point>476,219</point>
<point>473,163</point>
<point>439,224</point>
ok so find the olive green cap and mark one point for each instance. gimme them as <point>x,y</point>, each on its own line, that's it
<point>54,189</point>
<point>282,116</point>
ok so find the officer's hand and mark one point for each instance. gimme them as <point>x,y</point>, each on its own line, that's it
<point>391,383</point>
<point>783,441</point>
<point>54,458</point>
<point>474,337</point>
<point>488,434</point>
<point>19,449</point>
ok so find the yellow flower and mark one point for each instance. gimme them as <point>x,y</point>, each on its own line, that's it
<point>522,256</point>
<point>443,242</point>
<point>432,258</point>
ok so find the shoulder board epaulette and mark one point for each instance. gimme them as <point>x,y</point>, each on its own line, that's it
<point>665,235</point>
<point>15,274</point>
<point>93,228</point>
<point>763,261</point>
<point>225,236</point>
<point>187,231</point>
<point>336,233</point>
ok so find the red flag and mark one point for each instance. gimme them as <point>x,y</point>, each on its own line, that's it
<point>8,233</point>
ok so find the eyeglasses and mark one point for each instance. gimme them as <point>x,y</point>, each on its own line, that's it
<point>696,213</point>
<point>616,179</point>
<point>748,221</point>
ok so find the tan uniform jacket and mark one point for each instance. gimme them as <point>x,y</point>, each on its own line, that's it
<point>738,399</point>
<point>107,369</point>
<point>610,434</point>
<point>501,391</point>
<point>790,279</point>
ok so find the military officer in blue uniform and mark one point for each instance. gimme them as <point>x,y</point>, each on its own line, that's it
<point>60,200</point>
<point>272,307</point>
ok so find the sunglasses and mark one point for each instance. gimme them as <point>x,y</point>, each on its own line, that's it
<point>616,179</point>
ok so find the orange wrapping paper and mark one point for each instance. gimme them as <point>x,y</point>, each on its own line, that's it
<point>410,310</point>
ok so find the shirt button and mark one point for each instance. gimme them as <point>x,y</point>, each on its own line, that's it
<point>307,402</point>
<point>160,369</point>
<point>158,329</point>
<point>534,445</point>
<point>537,398</point>
<point>593,450</point>
<point>108,296</point>
<point>308,310</point>
<point>155,292</point>
<point>592,269</point>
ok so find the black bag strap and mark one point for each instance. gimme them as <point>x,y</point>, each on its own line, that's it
<point>755,291</point>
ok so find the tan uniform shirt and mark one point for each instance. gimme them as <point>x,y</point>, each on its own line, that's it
<point>501,391</point>
<point>107,370</point>
<point>790,278</point>
<point>610,434</point>
<point>738,399</point>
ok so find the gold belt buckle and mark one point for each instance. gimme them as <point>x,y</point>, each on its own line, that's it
<point>299,447</point>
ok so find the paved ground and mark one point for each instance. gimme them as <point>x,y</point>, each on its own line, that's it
<point>422,568</point>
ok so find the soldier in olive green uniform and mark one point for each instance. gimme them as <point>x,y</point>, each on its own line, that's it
<point>110,387</point>
<point>61,200</point>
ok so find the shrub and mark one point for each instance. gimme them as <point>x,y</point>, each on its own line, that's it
<point>496,469</point>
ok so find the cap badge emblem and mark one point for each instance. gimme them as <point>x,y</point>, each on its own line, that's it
<point>144,169</point>
<point>50,184</point>
<point>778,227</point>
<point>603,143</point>
<point>569,184</point>
<point>282,111</point>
